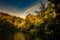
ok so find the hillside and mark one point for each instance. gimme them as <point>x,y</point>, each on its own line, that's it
<point>35,20</point>
<point>45,22</point>
<point>9,22</point>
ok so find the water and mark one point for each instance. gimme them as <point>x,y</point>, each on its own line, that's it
<point>17,36</point>
<point>13,36</point>
<point>6,35</point>
<point>25,36</point>
<point>22,36</point>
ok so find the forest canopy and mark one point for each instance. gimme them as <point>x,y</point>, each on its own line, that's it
<point>46,21</point>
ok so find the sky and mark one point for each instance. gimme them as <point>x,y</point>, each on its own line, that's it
<point>19,8</point>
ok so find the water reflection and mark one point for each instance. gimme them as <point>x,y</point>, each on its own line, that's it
<point>6,35</point>
<point>18,36</point>
<point>25,36</point>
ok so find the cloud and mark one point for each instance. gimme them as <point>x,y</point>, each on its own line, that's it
<point>30,10</point>
<point>21,13</point>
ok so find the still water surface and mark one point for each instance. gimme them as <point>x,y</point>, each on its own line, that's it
<point>17,36</point>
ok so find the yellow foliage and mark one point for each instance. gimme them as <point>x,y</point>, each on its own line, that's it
<point>46,17</point>
<point>22,24</point>
<point>31,19</point>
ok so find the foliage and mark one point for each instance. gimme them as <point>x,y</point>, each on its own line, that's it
<point>45,22</point>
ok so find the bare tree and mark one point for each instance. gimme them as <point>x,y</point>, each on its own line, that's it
<point>42,7</point>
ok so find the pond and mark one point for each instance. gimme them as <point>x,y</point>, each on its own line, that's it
<point>23,36</point>
<point>18,36</point>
